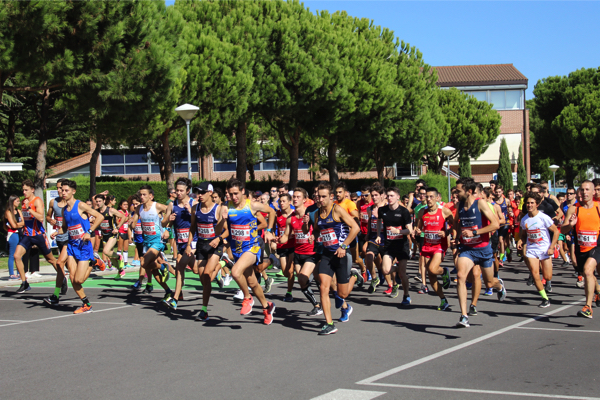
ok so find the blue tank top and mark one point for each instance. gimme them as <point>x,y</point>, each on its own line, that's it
<point>242,225</point>
<point>333,232</point>
<point>206,223</point>
<point>373,225</point>
<point>504,209</point>
<point>182,223</point>
<point>77,226</point>
<point>151,225</point>
<point>138,233</point>
<point>59,218</point>
<point>471,219</point>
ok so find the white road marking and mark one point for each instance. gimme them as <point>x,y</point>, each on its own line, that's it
<point>420,361</point>
<point>561,330</point>
<point>63,316</point>
<point>9,320</point>
<point>347,394</point>
<point>481,391</point>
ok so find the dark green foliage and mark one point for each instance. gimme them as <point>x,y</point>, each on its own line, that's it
<point>521,172</point>
<point>504,167</point>
<point>464,167</point>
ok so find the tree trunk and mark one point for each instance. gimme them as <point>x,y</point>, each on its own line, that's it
<point>380,166</point>
<point>250,168</point>
<point>40,165</point>
<point>10,140</point>
<point>94,165</point>
<point>332,156</point>
<point>569,175</point>
<point>240,150</point>
<point>294,155</point>
<point>168,164</point>
<point>157,156</point>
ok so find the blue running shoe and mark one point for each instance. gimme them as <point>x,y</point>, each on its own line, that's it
<point>488,292</point>
<point>346,313</point>
<point>405,301</point>
<point>469,285</point>
<point>137,285</point>
<point>339,302</point>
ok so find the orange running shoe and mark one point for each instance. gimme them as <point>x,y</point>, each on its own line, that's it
<point>247,306</point>
<point>100,264</point>
<point>268,312</point>
<point>85,308</point>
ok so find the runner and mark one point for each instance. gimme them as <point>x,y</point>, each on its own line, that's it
<point>79,249</point>
<point>34,234</point>
<point>110,231</point>
<point>475,243</point>
<point>242,221</point>
<point>584,219</point>
<point>336,229</point>
<point>396,222</point>
<point>432,222</point>
<point>536,226</point>
<point>418,239</point>
<point>285,251</point>
<point>363,204</point>
<point>12,222</point>
<point>340,194</point>
<point>503,241</point>
<point>123,244</point>
<point>54,217</point>
<point>372,249</point>
<point>487,195</point>
<point>566,244</point>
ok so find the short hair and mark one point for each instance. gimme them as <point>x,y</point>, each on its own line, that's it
<point>341,184</point>
<point>420,182</point>
<point>235,183</point>
<point>219,193</point>
<point>393,189</point>
<point>536,196</point>
<point>509,190</point>
<point>494,182</point>
<point>560,195</point>
<point>479,188</point>
<point>529,185</point>
<point>101,197</point>
<point>324,186</point>
<point>303,191</point>
<point>70,183</point>
<point>110,197</point>
<point>284,186</point>
<point>433,189</point>
<point>28,183</point>
<point>148,188</point>
<point>519,191</point>
<point>405,197</point>
<point>60,181</point>
<point>185,182</point>
<point>365,188</point>
<point>487,191</point>
<point>121,203</point>
<point>596,182</point>
<point>570,188</point>
<point>424,187</point>
<point>467,184</point>
<point>281,196</point>
<point>500,187</point>
<point>537,186</point>
<point>377,188</point>
<point>586,181</point>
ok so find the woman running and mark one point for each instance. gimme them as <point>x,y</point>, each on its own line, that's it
<point>123,244</point>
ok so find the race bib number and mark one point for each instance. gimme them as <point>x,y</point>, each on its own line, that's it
<point>432,237</point>
<point>27,215</point>
<point>328,237</point>
<point>138,229</point>
<point>534,235</point>
<point>394,236</point>
<point>374,225</point>
<point>206,231</point>
<point>240,233</point>
<point>148,228</point>
<point>473,239</point>
<point>183,235</point>
<point>59,222</point>
<point>76,232</point>
<point>364,217</point>
<point>105,226</point>
<point>301,237</point>
<point>587,238</point>
<point>125,226</point>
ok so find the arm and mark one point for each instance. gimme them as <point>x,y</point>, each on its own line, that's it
<point>10,218</point>
<point>570,221</point>
<point>168,211</point>
<point>411,201</point>
<point>39,206</point>
<point>84,208</point>
<point>220,227</point>
<point>50,213</point>
<point>554,231</point>
<point>499,214</point>
<point>257,208</point>
<point>343,215</point>
<point>419,222</point>
<point>485,210</point>
<point>288,229</point>
<point>262,222</point>
<point>120,219</point>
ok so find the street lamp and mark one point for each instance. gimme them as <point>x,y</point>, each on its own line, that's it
<point>554,168</point>
<point>187,112</point>
<point>447,151</point>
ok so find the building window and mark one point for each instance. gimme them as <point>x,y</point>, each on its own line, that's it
<point>139,162</point>
<point>227,163</point>
<point>500,99</point>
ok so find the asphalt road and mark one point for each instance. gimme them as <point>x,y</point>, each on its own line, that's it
<point>132,347</point>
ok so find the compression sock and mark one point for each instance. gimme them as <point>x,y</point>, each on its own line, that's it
<point>543,294</point>
<point>310,295</point>
<point>57,292</point>
<point>204,308</point>
<point>501,256</point>
<point>86,301</point>
<point>125,257</point>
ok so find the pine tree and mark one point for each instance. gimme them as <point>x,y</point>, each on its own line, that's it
<point>464,166</point>
<point>504,167</point>
<point>521,173</point>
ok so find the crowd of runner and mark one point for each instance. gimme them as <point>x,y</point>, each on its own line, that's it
<point>328,241</point>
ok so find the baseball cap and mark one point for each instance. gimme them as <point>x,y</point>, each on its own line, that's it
<point>203,187</point>
<point>258,193</point>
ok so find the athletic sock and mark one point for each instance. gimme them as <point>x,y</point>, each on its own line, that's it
<point>543,294</point>
<point>86,301</point>
<point>125,257</point>
<point>495,274</point>
<point>310,295</point>
<point>204,308</point>
<point>288,292</point>
<point>501,256</point>
<point>57,292</point>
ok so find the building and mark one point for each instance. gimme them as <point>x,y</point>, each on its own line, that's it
<point>501,85</point>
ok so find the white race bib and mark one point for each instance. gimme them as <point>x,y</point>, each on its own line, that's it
<point>240,233</point>
<point>76,232</point>
<point>328,237</point>
<point>301,237</point>
<point>394,236</point>
<point>183,235</point>
<point>587,238</point>
<point>149,228</point>
<point>205,231</point>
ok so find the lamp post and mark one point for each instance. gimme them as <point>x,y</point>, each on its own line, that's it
<point>187,112</point>
<point>447,151</point>
<point>554,168</point>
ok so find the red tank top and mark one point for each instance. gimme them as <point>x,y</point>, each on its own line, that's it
<point>432,225</point>
<point>281,222</point>
<point>302,243</point>
<point>364,217</point>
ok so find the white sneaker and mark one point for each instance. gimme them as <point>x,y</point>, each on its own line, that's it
<point>36,275</point>
<point>227,280</point>
<point>27,275</point>
<point>239,295</point>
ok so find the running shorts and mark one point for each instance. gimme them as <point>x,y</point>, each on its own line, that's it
<point>494,240</point>
<point>482,256</point>
<point>154,242</point>
<point>124,236</point>
<point>60,244</point>
<point>583,257</point>
<point>539,254</point>
<point>374,248</point>
<point>428,252</point>
<point>27,242</point>
<point>106,238</point>
<point>362,238</point>
<point>332,264</point>
<point>301,259</point>
<point>83,251</point>
<point>285,252</point>
<point>503,231</point>
<point>397,252</point>
<point>204,250</point>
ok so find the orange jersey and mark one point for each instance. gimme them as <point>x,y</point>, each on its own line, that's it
<point>587,227</point>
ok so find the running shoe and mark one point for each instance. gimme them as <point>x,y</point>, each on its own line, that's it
<point>405,301</point>
<point>446,278</point>
<point>171,303</point>
<point>463,322</point>
<point>149,288</point>
<point>443,305</point>
<point>85,308</point>
<point>586,312</point>
<point>545,303</point>
<point>373,285</point>
<point>220,281</point>
<point>164,272</point>
<point>315,311</point>
<point>543,282</point>
<point>269,284</point>
<point>548,286</point>
<point>472,310</point>
<point>365,278</point>
<point>339,302</point>
<point>239,296</point>
<point>369,277</point>
<point>359,279</point>
<point>24,287</point>
<point>454,271</point>
<point>418,278</point>
<point>580,282</point>
<point>388,291</point>
<point>597,299</point>
<point>280,274</point>
<point>346,314</point>
<point>530,280</point>
<point>122,273</point>
<point>328,329</point>
<point>168,296</point>
<point>268,313</point>
<point>488,292</point>
<point>394,293</point>
<point>51,300</point>
<point>247,306</point>
<point>202,316</point>
<point>288,297</point>
<point>423,289</point>
<point>96,255</point>
<point>469,285</point>
<point>502,292</point>
<point>14,277</point>
<point>227,280</point>
<point>64,288</point>
<point>137,285</point>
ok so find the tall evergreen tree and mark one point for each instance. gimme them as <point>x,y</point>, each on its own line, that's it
<point>521,172</point>
<point>464,166</point>
<point>504,167</point>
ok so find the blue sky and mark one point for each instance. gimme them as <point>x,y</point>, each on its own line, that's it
<point>540,38</point>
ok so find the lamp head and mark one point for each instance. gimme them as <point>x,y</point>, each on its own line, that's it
<point>187,111</point>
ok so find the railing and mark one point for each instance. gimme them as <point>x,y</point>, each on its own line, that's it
<point>452,174</point>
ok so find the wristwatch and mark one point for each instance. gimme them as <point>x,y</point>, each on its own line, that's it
<point>475,233</point>
<point>269,230</point>
<point>344,246</point>
<point>91,232</point>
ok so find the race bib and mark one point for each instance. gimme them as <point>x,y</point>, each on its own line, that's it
<point>76,232</point>
<point>59,222</point>
<point>301,237</point>
<point>471,240</point>
<point>374,225</point>
<point>125,226</point>
<point>138,229</point>
<point>206,231</point>
<point>27,215</point>
<point>183,235</point>
<point>534,235</point>
<point>240,233</point>
<point>328,237</point>
<point>148,228</point>
<point>105,226</point>
<point>587,238</point>
<point>364,217</point>
<point>432,237</point>
<point>393,236</point>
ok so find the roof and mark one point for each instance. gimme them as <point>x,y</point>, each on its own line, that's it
<point>480,75</point>
<point>70,164</point>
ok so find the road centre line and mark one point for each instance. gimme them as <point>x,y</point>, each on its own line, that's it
<point>560,330</point>
<point>63,316</point>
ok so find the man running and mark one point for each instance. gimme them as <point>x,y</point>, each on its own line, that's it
<point>503,242</point>
<point>363,204</point>
<point>536,226</point>
<point>422,191</point>
<point>242,222</point>
<point>475,243</point>
<point>566,245</point>
<point>432,222</point>
<point>340,195</point>
<point>372,249</point>
<point>54,217</point>
<point>34,234</point>
<point>110,232</point>
<point>285,251</point>
<point>80,251</point>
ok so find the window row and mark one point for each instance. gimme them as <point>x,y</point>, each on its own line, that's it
<point>500,99</point>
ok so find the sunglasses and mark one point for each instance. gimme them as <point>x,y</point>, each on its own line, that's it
<point>273,191</point>
<point>570,194</point>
